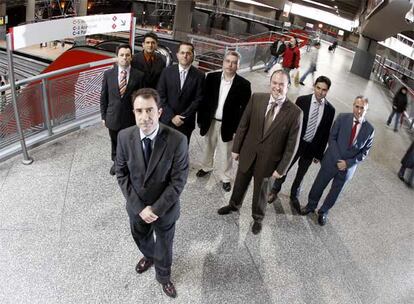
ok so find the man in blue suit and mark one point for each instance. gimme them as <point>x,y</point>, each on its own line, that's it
<point>350,140</point>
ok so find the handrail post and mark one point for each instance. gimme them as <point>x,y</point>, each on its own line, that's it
<point>46,107</point>
<point>27,160</point>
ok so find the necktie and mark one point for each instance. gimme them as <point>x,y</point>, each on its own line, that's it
<point>147,150</point>
<point>353,132</point>
<point>182,78</point>
<point>269,117</point>
<point>311,127</point>
<point>123,83</point>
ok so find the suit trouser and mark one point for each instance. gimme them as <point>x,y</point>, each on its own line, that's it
<point>322,180</point>
<point>303,166</point>
<point>158,250</point>
<point>240,188</point>
<point>113,134</point>
<point>222,151</point>
<point>184,129</point>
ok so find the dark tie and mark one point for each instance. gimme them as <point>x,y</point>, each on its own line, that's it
<point>353,132</point>
<point>269,117</point>
<point>123,83</point>
<point>182,78</point>
<point>147,150</point>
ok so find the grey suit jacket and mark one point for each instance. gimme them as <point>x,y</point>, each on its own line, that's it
<point>161,184</point>
<point>339,148</point>
<point>273,150</point>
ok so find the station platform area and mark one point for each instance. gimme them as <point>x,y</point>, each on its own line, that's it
<point>65,238</point>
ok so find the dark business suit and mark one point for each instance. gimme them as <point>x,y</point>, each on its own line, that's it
<point>307,151</point>
<point>261,154</point>
<point>339,149</point>
<point>159,186</point>
<point>152,70</point>
<point>117,110</point>
<point>177,101</point>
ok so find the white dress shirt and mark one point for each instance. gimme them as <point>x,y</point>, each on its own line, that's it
<point>225,86</point>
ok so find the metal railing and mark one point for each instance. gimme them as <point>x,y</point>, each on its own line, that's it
<point>50,101</point>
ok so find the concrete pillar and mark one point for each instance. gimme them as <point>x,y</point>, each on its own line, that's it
<point>3,27</point>
<point>364,57</point>
<point>82,9</point>
<point>30,10</point>
<point>182,21</point>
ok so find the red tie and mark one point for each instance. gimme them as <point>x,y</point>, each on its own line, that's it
<point>353,132</point>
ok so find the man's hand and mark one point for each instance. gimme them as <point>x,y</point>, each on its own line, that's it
<point>235,155</point>
<point>276,175</point>
<point>178,120</point>
<point>341,164</point>
<point>103,123</point>
<point>147,215</point>
<point>315,161</point>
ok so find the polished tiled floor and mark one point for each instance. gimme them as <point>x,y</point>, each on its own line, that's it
<point>64,235</point>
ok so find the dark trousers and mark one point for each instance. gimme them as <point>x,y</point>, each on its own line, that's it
<point>184,129</point>
<point>241,184</point>
<point>321,182</point>
<point>158,250</point>
<point>303,166</point>
<point>114,139</point>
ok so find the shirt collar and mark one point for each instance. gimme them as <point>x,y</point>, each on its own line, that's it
<point>128,69</point>
<point>151,136</point>
<point>323,101</point>
<point>279,102</point>
<point>180,68</point>
<point>228,81</point>
<point>149,57</point>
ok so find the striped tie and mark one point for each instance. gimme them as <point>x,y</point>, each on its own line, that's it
<point>311,127</point>
<point>123,83</point>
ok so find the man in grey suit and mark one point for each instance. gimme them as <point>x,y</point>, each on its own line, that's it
<point>350,140</point>
<point>265,143</point>
<point>152,170</point>
<point>117,87</point>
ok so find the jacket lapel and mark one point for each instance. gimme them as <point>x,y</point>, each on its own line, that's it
<point>137,147</point>
<point>159,147</point>
<point>262,112</point>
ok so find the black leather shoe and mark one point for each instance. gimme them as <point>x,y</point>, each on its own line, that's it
<point>401,177</point>
<point>301,83</point>
<point>201,173</point>
<point>322,218</point>
<point>306,211</point>
<point>227,187</point>
<point>295,203</point>
<point>169,289</point>
<point>143,265</point>
<point>226,210</point>
<point>272,196</point>
<point>257,227</point>
<point>112,170</point>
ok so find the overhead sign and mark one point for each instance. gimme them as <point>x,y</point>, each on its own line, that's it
<point>35,33</point>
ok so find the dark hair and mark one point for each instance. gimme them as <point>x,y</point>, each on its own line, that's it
<point>402,88</point>
<point>317,43</point>
<point>151,35</point>
<point>323,79</point>
<point>186,43</point>
<point>123,46</point>
<point>147,93</point>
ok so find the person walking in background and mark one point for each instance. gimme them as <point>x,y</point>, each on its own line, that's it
<point>399,105</point>
<point>276,50</point>
<point>313,62</point>
<point>407,162</point>
<point>291,57</point>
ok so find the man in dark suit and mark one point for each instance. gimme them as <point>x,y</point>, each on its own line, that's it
<point>181,89</point>
<point>117,87</point>
<point>318,115</point>
<point>149,61</point>
<point>152,170</point>
<point>350,140</point>
<point>265,143</point>
<point>219,115</point>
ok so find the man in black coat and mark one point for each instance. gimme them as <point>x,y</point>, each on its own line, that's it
<point>220,114</point>
<point>407,162</point>
<point>149,61</point>
<point>181,88</point>
<point>117,87</point>
<point>152,170</point>
<point>318,115</point>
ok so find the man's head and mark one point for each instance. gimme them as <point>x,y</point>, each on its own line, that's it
<point>321,87</point>
<point>147,110</point>
<point>279,83</point>
<point>124,55</point>
<point>185,54</point>
<point>231,63</point>
<point>292,42</point>
<point>317,45</point>
<point>150,42</point>
<point>360,107</point>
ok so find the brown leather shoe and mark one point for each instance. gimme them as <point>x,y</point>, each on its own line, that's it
<point>169,289</point>
<point>271,197</point>
<point>143,265</point>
